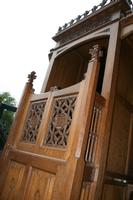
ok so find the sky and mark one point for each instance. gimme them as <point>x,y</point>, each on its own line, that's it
<point>26,31</point>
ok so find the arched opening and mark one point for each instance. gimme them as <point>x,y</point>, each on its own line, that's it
<point>69,68</point>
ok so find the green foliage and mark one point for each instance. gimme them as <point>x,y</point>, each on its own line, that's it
<point>6,98</point>
<point>6,117</point>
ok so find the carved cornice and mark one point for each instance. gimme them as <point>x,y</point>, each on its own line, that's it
<point>91,11</point>
<point>84,29</point>
<point>98,17</point>
<point>84,15</point>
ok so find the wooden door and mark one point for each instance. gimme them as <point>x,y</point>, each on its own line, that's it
<point>44,155</point>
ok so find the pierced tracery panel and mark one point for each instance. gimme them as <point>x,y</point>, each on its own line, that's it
<point>33,121</point>
<point>60,122</point>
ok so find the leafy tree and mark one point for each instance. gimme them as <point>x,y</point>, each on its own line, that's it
<point>6,117</point>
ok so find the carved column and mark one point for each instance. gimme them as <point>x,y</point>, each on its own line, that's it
<point>28,90</point>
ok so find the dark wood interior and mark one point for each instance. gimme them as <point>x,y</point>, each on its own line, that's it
<point>70,68</point>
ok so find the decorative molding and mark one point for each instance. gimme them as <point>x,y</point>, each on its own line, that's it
<point>107,30</point>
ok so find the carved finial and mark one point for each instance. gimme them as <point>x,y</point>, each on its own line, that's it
<point>78,17</point>
<point>130,3</point>
<point>65,25</point>
<point>94,8</point>
<point>86,13</point>
<point>59,29</point>
<point>103,3</point>
<point>94,52</point>
<point>71,22</point>
<point>31,77</point>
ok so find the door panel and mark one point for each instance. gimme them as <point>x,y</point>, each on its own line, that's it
<point>41,145</point>
<point>41,185</point>
<point>51,142</point>
<point>13,180</point>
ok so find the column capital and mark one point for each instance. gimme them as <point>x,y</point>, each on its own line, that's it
<point>94,52</point>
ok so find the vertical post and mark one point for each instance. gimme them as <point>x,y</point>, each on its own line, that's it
<point>28,90</point>
<point>88,100</point>
<point>108,92</point>
<point>89,92</point>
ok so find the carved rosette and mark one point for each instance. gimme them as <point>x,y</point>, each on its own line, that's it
<point>60,122</point>
<point>33,121</point>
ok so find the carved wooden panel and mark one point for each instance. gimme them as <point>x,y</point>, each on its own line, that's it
<point>41,185</point>
<point>60,121</point>
<point>33,121</point>
<point>13,181</point>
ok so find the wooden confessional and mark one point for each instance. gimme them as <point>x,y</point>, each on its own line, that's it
<point>74,140</point>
